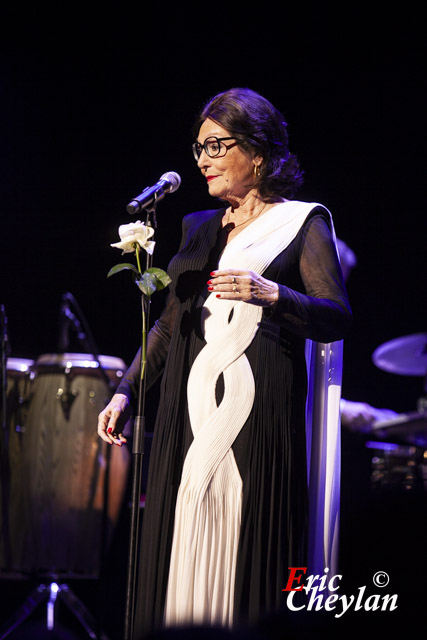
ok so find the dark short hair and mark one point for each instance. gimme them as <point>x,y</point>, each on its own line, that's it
<point>261,130</point>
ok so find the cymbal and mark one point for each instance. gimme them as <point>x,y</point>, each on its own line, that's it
<point>410,428</point>
<point>406,356</point>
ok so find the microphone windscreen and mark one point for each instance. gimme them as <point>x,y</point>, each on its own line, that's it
<point>173,178</point>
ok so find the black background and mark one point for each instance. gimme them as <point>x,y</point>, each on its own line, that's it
<point>96,105</point>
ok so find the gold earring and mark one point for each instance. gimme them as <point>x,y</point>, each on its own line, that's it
<point>256,170</point>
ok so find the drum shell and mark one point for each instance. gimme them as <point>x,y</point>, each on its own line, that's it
<point>58,524</point>
<point>19,373</point>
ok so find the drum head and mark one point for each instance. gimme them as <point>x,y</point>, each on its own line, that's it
<point>21,365</point>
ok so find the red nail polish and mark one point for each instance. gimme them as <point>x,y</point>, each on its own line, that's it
<point>210,288</point>
<point>109,430</point>
<point>218,295</point>
<point>209,282</point>
<point>212,273</point>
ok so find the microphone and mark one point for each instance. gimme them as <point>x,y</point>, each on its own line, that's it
<point>64,326</point>
<point>4,340</point>
<point>68,319</point>
<point>168,183</point>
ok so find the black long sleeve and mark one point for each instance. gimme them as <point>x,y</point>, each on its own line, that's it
<point>157,349</point>
<point>158,341</point>
<point>323,312</point>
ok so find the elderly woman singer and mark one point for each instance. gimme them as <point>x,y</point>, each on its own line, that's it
<point>227,503</point>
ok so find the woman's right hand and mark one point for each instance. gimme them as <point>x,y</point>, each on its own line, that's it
<point>112,419</point>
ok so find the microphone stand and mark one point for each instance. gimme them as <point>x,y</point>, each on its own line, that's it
<point>84,335</point>
<point>86,338</point>
<point>4,438</point>
<point>3,376</point>
<point>137,456</point>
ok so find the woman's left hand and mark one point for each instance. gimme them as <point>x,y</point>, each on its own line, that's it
<point>247,286</point>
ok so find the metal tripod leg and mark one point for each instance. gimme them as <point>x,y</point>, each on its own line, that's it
<point>79,610</point>
<point>36,597</point>
<point>52,593</point>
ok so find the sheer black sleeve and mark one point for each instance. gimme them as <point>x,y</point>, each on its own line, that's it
<point>323,312</point>
<point>157,349</point>
<point>158,341</point>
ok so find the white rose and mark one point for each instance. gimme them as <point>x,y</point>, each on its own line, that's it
<point>135,232</point>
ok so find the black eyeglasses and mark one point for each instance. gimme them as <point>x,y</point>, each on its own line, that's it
<point>212,146</point>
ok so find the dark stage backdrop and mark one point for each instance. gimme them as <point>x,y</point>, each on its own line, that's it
<point>94,108</point>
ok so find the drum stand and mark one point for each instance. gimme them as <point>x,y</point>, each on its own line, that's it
<point>52,593</point>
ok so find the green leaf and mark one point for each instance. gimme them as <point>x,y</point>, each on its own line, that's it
<point>122,267</point>
<point>152,280</point>
<point>147,283</point>
<point>162,278</point>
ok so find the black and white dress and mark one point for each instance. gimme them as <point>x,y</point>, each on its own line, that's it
<point>227,502</point>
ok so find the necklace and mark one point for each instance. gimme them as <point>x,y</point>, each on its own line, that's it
<point>228,223</point>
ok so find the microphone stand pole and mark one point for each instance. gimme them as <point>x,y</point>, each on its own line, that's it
<point>4,348</point>
<point>85,336</point>
<point>3,376</point>
<point>137,459</point>
<point>4,440</point>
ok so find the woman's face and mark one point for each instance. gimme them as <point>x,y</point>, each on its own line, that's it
<point>230,176</point>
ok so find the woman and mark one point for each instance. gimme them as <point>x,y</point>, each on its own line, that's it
<point>226,510</point>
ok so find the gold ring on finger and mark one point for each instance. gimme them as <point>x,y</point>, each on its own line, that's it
<point>234,287</point>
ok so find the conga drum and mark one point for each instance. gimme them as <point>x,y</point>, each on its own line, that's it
<point>19,376</point>
<point>66,516</point>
